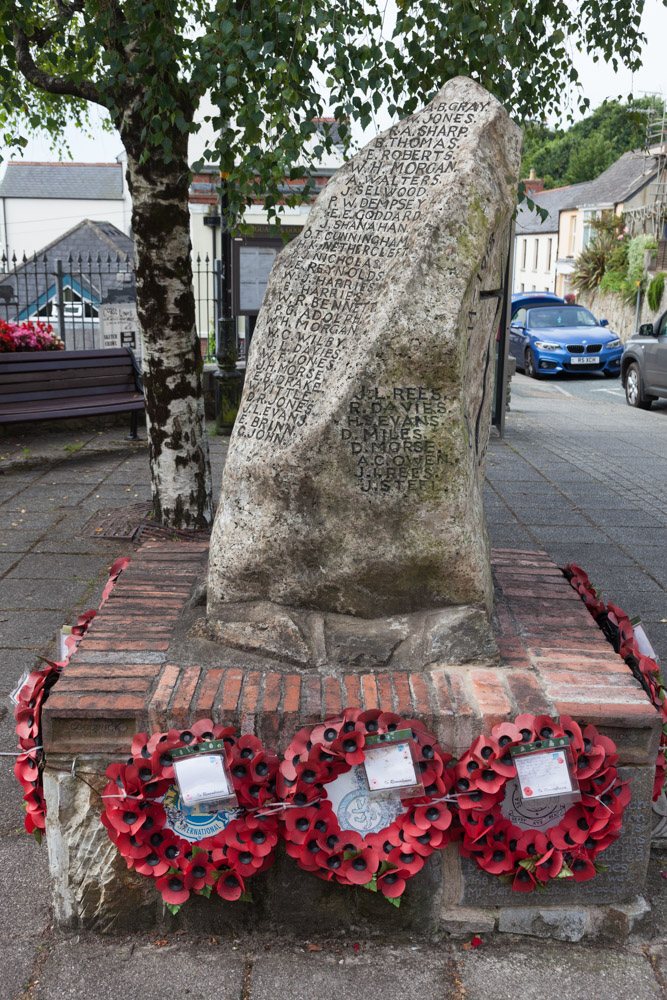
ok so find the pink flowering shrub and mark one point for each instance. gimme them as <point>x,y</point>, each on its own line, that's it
<point>29,336</point>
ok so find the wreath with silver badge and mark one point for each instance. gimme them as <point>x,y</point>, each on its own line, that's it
<point>526,857</point>
<point>341,823</point>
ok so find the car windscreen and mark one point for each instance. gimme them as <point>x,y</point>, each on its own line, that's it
<point>549,317</point>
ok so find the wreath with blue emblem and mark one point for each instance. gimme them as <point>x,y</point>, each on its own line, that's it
<point>184,850</point>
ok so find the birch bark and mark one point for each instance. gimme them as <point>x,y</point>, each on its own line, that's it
<point>172,362</point>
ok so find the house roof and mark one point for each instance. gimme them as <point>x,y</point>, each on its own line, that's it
<point>99,181</point>
<point>94,255</point>
<point>619,182</point>
<point>615,185</point>
<point>87,239</point>
<point>529,221</point>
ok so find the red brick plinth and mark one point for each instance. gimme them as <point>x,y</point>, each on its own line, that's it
<point>124,677</point>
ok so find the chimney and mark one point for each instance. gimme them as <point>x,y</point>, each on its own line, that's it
<point>533,184</point>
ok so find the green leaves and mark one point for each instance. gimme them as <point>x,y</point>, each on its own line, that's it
<point>272,66</point>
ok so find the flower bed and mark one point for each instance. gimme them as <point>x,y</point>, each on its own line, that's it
<point>29,336</point>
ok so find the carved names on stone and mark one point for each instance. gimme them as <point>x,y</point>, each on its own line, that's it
<point>344,259</point>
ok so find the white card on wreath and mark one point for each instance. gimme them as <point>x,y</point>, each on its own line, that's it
<point>543,773</point>
<point>390,766</point>
<point>201,778</point>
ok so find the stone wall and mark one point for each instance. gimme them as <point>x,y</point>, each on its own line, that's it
<point>605,305</point>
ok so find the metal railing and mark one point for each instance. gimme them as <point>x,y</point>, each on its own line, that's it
<point>73,294</point>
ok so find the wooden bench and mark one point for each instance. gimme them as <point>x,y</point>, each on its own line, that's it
<point>57,385</point>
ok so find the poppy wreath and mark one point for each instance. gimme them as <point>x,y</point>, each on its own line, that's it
<point>136,820</point>
<point>384,861</point>
<point>28,714</point>
<point>529,859</point>
<point>619,631</point>
<point>29,764</point>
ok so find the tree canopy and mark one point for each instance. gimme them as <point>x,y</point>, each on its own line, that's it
<point>270,67</point>
<point>583,151</point>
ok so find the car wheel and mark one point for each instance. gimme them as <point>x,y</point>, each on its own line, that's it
<point>634,392</point>
<point>529,364</point>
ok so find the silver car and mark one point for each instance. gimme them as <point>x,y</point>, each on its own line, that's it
<point>644,364</point>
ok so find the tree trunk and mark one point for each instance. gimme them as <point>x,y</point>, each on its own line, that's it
<point>172,361</point>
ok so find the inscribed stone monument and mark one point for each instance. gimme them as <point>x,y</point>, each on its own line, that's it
<point>353,481</point>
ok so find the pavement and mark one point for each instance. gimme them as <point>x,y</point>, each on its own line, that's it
<point>578,474</point>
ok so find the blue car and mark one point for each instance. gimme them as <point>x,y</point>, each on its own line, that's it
<point>548,336</point>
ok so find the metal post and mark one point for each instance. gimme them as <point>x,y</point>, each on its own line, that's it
<point>639,294</point>
<point>60,304</point>
<point>500,394</point>
<point>229,379</point>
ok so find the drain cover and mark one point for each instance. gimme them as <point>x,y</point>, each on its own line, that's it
<point>135,524</point>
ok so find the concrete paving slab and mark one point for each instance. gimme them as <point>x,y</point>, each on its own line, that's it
<point>137,969</point>
<point>505,971</point>
<point>29,629</point>
<point>42,594</point>
<point>24,887</point>
<point>506,536</point>
<point>651,606</point>
<point>335,973</point>
<point>570,534</point>
<point>13,662</point>
<point>58,567</point>
<point>11,795</point>
<point>17,961</point>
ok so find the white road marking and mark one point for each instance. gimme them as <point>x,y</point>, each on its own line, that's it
<point>614,392</point>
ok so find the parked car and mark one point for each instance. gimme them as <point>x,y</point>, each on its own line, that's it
<point>555,337</point>
<point>644,364</point>
<point>527,300</point>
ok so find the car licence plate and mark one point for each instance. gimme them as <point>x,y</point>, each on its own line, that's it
<point>584,361</point>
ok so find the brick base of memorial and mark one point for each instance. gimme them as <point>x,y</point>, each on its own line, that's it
<point>133,673</point>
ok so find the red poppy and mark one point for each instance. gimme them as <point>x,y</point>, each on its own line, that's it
<point>582,869</point>
<point>26,769</point>
<point>350,745</point>
<point>173,888</point>
<point>199,872</point>
<point>131,847</point>
<point>526,726</point>
<point>392,883</point>
<point>152,865</point>
<point>498,859</point>
<point>230,885</point>
<point>360,869</point>
<point>524,881</point>
<point>430,815</point>
<point>573,731</point>
<point>404,857</point>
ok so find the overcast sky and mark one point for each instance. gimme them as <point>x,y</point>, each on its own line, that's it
<point>599,82</point>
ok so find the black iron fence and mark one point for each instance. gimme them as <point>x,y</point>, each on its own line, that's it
<point>90,300</point>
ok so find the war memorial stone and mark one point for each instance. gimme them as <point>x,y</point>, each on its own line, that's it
<point>349,564</point>
<point>353,481</point>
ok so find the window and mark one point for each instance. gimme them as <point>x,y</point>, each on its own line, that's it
<point>537,254</point>
<point>549,248</point>
<point>573,235</point>
<point>523,287</point>
<point>520,318</point>
<point>523,255</point>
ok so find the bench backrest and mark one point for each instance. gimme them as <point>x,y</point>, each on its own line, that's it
<point>27,376</point>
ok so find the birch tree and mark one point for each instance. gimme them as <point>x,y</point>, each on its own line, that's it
<point>271,67</point>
